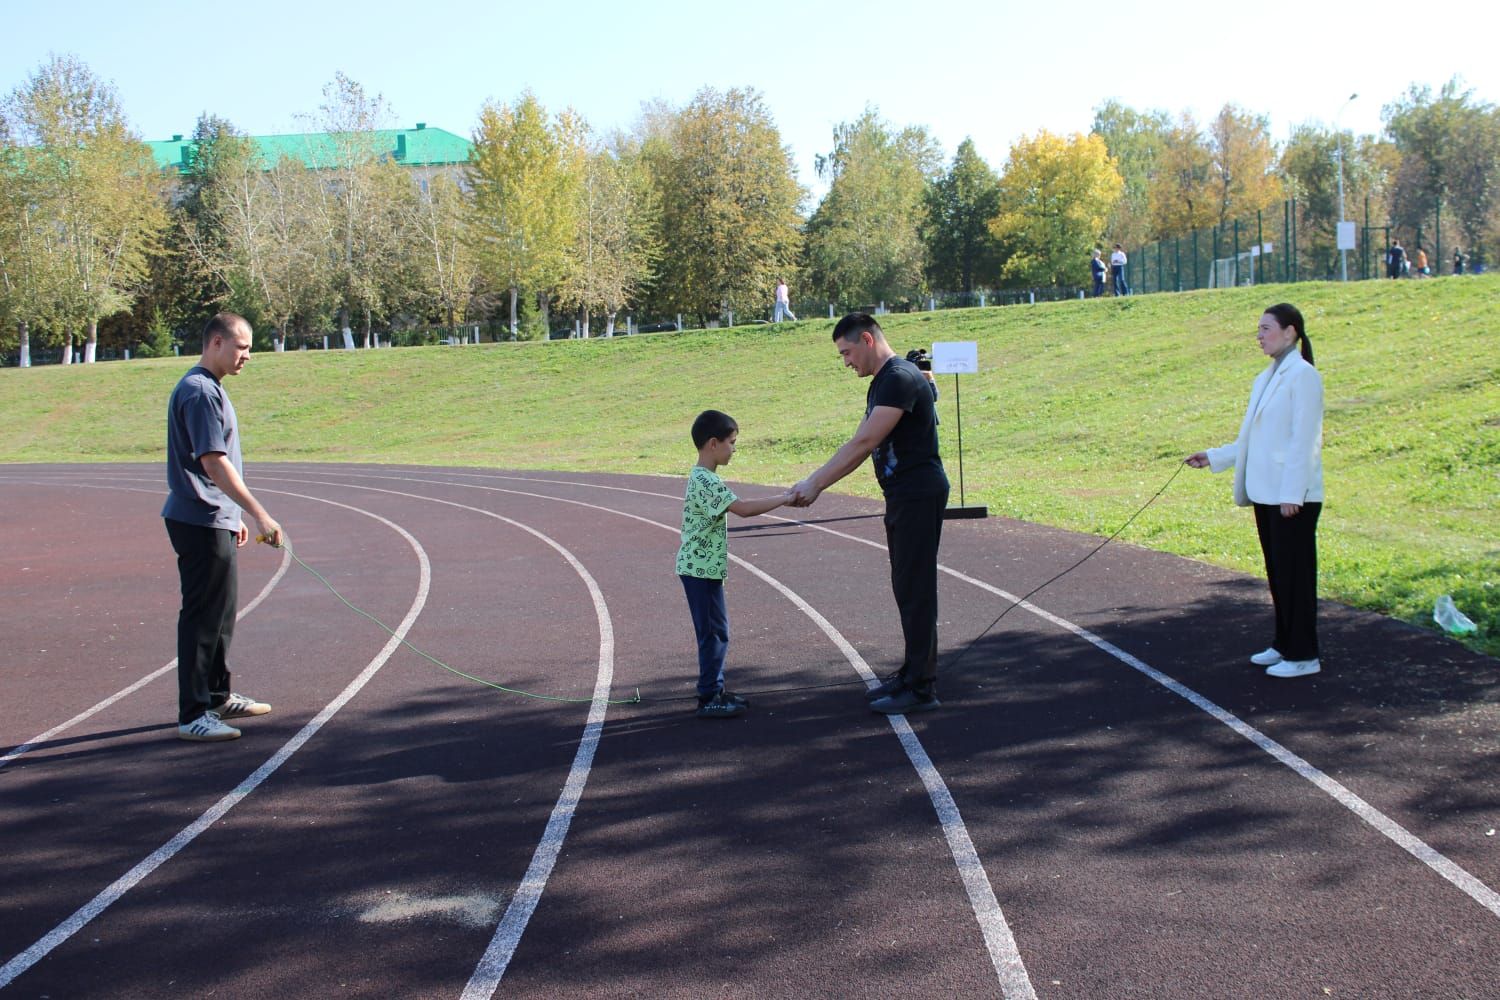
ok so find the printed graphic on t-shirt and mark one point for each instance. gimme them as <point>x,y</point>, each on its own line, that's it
<point>906,463</point>
<point>704,552</point>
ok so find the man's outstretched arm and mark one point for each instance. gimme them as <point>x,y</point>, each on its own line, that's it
<point>874,429</point>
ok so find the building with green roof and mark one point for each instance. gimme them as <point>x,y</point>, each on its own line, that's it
<point>428,149</point>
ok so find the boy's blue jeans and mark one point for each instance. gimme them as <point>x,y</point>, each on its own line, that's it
<point>711,623</point>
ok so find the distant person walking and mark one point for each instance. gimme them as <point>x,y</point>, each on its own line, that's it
<point>205,495</point>
<point>783,307</point>
<point>1395,260</point>
<point>1096,266</point>
<point>1117,262</point>
<point>1459,260</point>
<point>1419,263</point>
<point>1278,467</point>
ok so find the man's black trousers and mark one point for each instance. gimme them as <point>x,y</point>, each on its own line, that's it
<point>913,529</point>
<point>206,564</point>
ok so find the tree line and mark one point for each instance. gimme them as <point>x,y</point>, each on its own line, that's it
<point>696,210</point>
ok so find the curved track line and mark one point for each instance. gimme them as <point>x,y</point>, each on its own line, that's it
<point>507,937</point>
<point>111,893</point>
<point>1004,954</point>
<point>1454,873</point>
<point>286,560</point>
<point>1403,838</point>
<point>998,939</point>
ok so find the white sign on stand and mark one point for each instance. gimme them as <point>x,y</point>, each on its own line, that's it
<point>1346,237</point>
<point>959,357</point>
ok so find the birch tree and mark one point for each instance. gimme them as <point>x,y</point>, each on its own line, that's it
<point>616,248</point>
<point>361,204</point>
<point>96,183</point>
<point>222,209</point>
<point>439,224</point>
<point>525,170</point>
<point>31,261</point>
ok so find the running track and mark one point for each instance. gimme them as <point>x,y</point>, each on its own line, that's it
<point>1111,803</point>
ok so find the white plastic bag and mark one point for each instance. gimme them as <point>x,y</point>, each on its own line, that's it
<point>1450,619</point>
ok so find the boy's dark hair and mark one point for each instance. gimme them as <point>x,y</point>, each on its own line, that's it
<point>223,325</point>
<point>854,324</point>
<point>712,424</point>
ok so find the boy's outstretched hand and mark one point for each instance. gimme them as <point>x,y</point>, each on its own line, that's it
<point>803,494</point>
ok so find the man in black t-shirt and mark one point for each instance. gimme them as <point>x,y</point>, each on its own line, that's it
<point>899,434</point>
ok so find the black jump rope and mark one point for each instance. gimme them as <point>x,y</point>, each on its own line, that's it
<point>949,668</point>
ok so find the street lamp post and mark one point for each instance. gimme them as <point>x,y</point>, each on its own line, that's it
<point>1339,155</point>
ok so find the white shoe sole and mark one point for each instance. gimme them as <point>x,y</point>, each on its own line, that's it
<point>234,734</point>
<point>1294,668</point>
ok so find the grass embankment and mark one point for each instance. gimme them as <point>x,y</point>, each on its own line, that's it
<point>1080,412</point>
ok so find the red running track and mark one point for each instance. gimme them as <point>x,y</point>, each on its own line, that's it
<point>1111,803</point>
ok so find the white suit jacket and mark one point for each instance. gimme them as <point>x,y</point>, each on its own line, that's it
<point>1278,457</point>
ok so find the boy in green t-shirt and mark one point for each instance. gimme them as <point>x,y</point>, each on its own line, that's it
<point>704,555</point>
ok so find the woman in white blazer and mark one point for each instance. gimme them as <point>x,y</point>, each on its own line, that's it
<point>1278,468</point>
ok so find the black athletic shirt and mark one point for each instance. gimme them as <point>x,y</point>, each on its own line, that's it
<point>907,463</point>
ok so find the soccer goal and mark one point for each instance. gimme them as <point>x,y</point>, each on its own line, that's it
<point>1240,269</point>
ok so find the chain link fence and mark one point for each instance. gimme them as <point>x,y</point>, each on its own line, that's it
<point>1283,244</point>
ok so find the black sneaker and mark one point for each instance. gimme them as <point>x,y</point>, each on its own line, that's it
<point>907,701</point>
<point>719,707</point>
<point>890,685</point>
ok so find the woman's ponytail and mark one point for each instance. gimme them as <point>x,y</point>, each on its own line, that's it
<point>1289,315</point>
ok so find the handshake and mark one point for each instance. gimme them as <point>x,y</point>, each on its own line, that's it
<point>803,494</point>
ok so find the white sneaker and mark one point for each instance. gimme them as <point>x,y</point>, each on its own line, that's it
<point>1294,668</point>
<point>207,728</point>
<point>237,706</point>
<point>1266,657</point>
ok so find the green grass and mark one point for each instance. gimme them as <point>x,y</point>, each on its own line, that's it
<point>1080,412</point>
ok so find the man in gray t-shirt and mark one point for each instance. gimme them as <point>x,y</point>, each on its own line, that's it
<point>206,494</point>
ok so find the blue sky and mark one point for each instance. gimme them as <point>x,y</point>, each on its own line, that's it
<point>991,71</point>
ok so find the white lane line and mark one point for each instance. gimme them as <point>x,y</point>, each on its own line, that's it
<point>81,917</point>
<point>286,560</point>
<point>1407,841</point>
<point>502,947</point>
<point>998,939</point>
<point>1444,866</point>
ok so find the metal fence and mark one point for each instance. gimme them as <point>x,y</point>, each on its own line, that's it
<point>820,308</point>
<point>1283,245</point>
